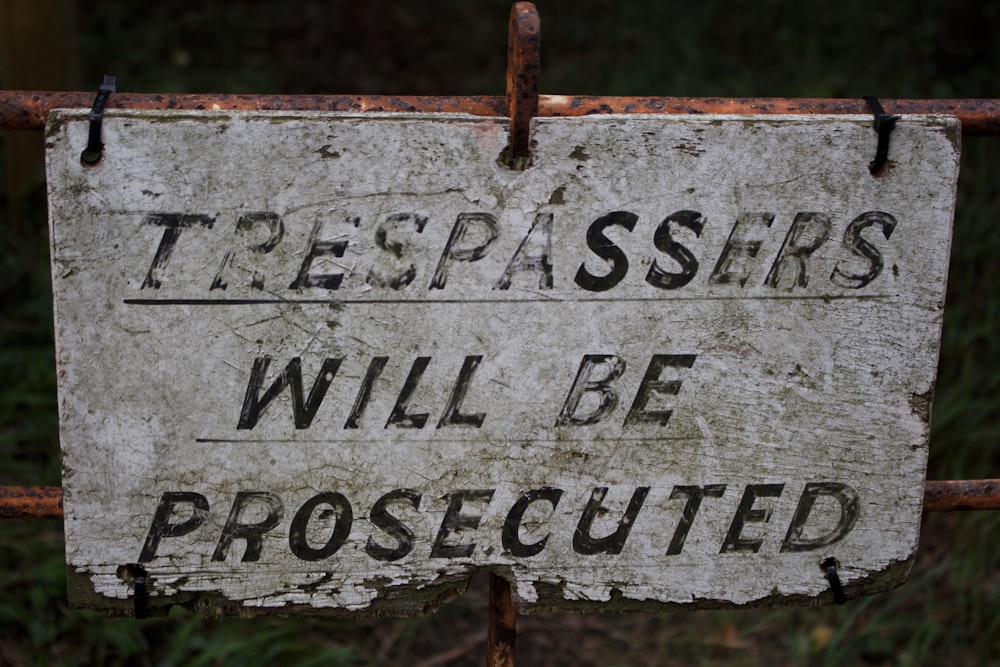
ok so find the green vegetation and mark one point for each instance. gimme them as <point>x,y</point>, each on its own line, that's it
<point>949,613</point>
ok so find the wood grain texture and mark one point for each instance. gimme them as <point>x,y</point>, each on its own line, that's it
<point>331,364</point>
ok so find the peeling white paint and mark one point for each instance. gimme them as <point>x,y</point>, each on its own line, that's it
<point>783,386</point>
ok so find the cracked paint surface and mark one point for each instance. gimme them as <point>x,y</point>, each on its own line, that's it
<point>477,340</point>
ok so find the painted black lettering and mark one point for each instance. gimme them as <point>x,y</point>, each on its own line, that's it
<point>400,271</point>
<point>161,526</point>
<point>694,495</point>
<point>172,223</point>
<point>457,250</point>
<point>606,249</point>
<point>743,245</point>
<point>808,232</point>
<point>454,521</point>
<point>253,533</point>
<point>399,417</point>
<point>534,255</point>
<point>849,503</point>
<point>452,416</point>
<point>303,411</point>
<point>246,222</point>
<point>665,242</point>
<point>584,543</point>
<point>747,514</point>
<point>343,518</point>
<point>375,368</point>
<point>607,398</point>
<point>317,248</point>
<point>511,538</point>
<point>651,383</point>
<point>858,246</point>
<point>392,526</point>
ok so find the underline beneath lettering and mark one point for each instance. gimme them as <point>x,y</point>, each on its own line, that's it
<point>325,441</point>
<point>399,302</point>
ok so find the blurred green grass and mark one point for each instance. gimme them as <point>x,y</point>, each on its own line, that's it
<point>949,613</point>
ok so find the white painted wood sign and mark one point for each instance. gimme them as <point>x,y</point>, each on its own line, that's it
<point>334,363</point>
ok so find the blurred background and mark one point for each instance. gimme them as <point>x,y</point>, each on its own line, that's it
<point>949,611</point>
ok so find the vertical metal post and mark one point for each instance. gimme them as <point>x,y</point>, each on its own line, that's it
<point>502,632</point>
<point>524,39</point>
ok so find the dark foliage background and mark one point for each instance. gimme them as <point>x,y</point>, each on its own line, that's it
<point>949,613</point>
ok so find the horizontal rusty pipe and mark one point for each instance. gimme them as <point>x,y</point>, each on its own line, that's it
<point>31,502</point>
<point>980,117</point>
<point>976,494</point>
<point>45,502</point>
<point>27,110</point>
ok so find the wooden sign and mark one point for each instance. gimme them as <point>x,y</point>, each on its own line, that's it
<point>333,363</point>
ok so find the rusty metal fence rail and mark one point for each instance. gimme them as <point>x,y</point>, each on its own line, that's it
<point>45,502</point>
<point>28,110</point>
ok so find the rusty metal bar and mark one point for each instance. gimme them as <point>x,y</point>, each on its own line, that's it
<point>45,502</point>
<point>524,42</point>
<point>31,502</point>
<point>978,494</point>
<point>980,117</point>
<point>27,110</point>
<point>502,626</point>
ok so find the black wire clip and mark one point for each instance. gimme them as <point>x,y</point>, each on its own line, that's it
<point>140,588</point>
<point>92,154</point>
<point>884,125</point>
<point>830,569</point>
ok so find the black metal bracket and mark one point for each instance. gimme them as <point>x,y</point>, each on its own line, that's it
<point>829,567</point>
<point>95,149</point>
<point>884,125</point>
<point>136,575</point>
